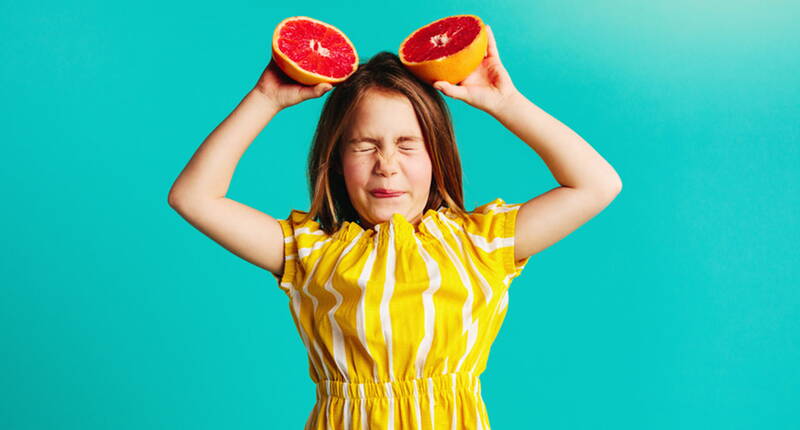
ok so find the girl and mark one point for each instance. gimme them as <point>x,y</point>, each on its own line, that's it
<point>396,290</point>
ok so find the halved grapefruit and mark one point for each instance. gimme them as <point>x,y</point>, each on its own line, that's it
<point>448,49</point>
<point>311,51</point>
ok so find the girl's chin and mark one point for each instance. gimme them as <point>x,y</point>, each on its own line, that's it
<point>382,216</point>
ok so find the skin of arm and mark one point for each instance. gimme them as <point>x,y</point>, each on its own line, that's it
<point>210,170</point>
<point>571,160</point>
<point>588,182</point>
<point>199,192</point>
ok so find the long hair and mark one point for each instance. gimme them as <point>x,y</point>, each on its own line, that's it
<point>330,202</point>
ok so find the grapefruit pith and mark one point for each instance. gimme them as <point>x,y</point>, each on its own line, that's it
<point>448,49</point>
<point>311,51</point>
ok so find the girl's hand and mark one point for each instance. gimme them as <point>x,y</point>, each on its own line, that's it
<point>486,88</point>
<point>283,90</point>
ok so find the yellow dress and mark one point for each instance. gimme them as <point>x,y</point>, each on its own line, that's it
<point>397,320</point>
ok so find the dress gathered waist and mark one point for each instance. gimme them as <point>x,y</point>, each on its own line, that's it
<point>445,383</point>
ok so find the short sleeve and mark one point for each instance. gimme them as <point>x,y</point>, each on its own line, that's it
<point>300,239</point>
<point>490,228</point>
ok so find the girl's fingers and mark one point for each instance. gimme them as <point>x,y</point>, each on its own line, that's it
<point>454,91</point>
<point>492,43</point>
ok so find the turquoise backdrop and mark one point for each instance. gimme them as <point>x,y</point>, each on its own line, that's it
<point>675,308</point>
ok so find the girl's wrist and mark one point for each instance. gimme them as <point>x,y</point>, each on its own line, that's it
<point>508,103</point>
<point>264,100</point>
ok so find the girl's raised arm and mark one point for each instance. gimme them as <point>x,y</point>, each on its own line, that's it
<point>210,170</point>
<point>198,193</point>
<point>588,182</point>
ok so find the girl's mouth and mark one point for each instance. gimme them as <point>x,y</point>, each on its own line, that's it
<point>383,195</point>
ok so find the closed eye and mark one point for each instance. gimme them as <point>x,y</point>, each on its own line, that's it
<point>402,147</point>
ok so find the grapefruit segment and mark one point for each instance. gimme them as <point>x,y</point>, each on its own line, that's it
<point>311,51</point>
<point>448,49</point>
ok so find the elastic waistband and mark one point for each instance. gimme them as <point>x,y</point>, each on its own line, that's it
<point>400,388</point>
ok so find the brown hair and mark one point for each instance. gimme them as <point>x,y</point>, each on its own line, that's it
<point>330,203</point>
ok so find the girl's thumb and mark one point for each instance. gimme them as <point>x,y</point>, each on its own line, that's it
<point>322,88</point>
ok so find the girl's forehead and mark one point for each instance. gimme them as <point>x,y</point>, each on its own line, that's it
<point>388,113</point>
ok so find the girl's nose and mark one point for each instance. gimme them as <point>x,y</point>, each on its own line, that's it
<point>385,162</point>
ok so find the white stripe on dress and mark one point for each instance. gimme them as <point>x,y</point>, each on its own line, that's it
<point>429,310</point>
<point>328,420</point>
<point>488,292</point>
<point>386,318</point>
<point>309,342</point>
<point>390,395</point>
<point>504,301</point>
<point>360,310</point>
<point>498,308</point>
<point>347,418</point>
<point>314,301</point>
<point>363,402</point>
<point>486,288</point>
<point>339,354</point>
<point>388,290</point>
<point>498,241</point>
<point>490,246</point>
<point>318,369</point>
<point>429,317</point>
<point>418,417</point>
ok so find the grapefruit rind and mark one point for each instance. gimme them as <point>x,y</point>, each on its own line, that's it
<point>453,68</point>
<point>299,74</point>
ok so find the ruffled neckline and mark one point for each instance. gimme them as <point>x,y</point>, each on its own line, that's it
<point>397,223</point>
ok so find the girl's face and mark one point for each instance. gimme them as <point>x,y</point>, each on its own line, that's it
<point>384,148</point>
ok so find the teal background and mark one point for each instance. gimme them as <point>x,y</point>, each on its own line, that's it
<point>675,308</point>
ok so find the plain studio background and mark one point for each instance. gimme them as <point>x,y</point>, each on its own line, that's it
<point>675,308</point>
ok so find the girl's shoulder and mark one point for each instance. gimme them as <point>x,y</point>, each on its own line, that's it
<point>498,205</point>
<point>300,230</point>
<point>493,218</point>
<point>490,230</point>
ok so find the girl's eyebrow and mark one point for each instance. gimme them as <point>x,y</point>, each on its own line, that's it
<point>374,140</point>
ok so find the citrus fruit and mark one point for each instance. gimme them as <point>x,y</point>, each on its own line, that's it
<point>311,51</point>
<point>448,49</point>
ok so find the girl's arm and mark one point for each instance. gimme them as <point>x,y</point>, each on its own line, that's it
<point>571,160</point>
<point>198,193</point>
<point>588,182</point>
<point>210,170</point>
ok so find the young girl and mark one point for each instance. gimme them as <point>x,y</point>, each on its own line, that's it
<point>396,290</point>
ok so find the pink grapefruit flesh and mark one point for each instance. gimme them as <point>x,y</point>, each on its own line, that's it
<point>311,51</point>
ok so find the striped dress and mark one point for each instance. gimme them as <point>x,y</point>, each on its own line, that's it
<point>398,320</point>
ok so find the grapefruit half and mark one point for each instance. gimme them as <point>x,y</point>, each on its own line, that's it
<point>311,51</point>
<point>448,49</point>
